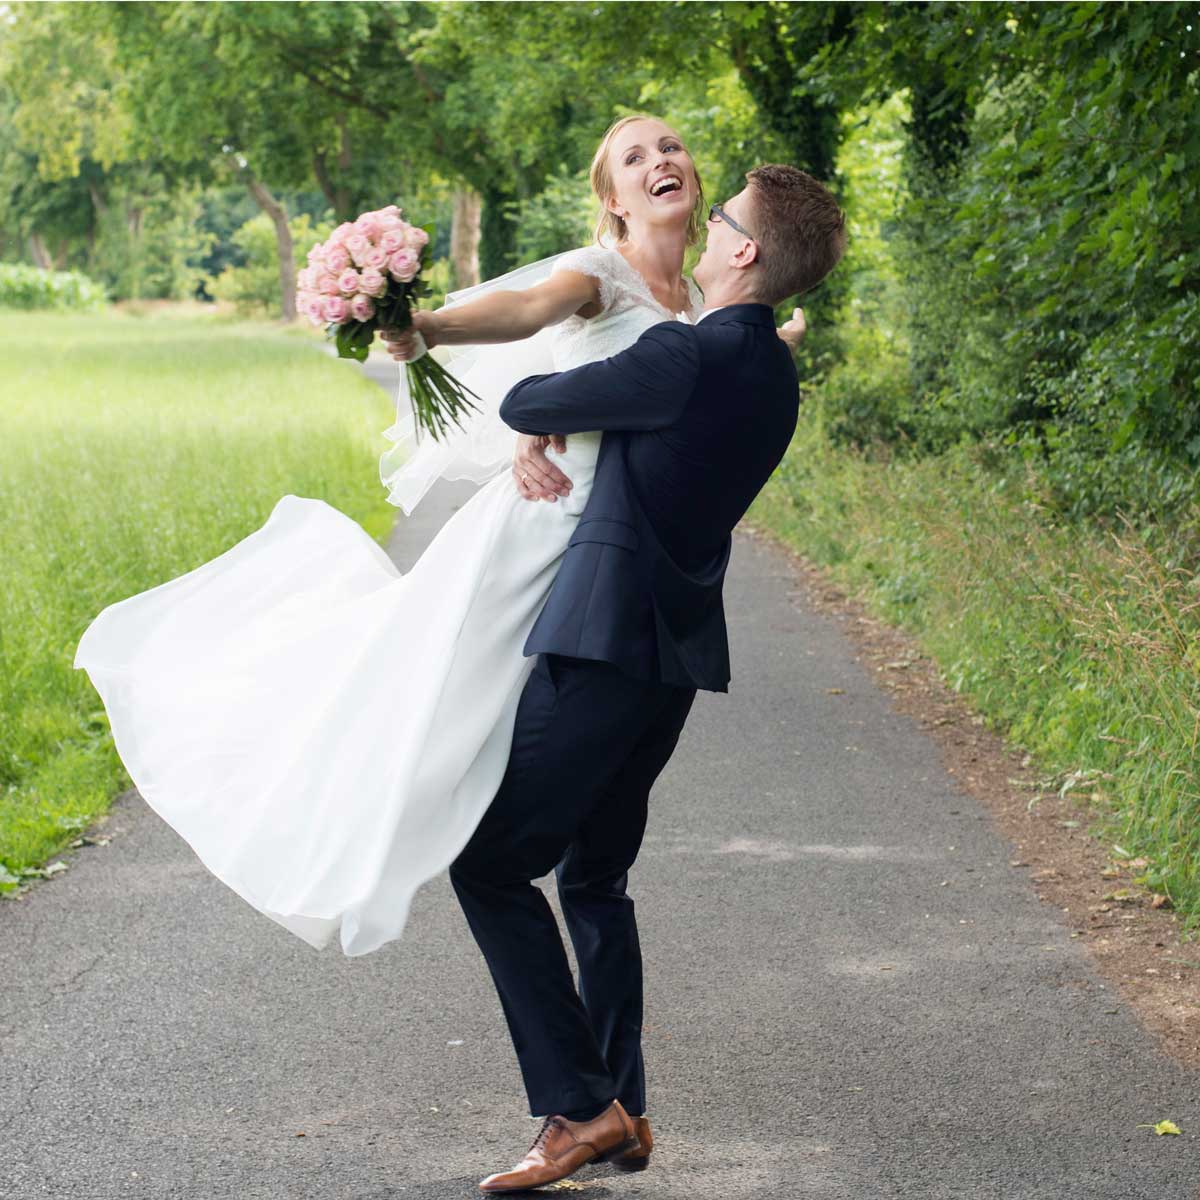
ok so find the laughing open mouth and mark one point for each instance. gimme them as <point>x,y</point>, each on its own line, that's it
<point>668,183</point>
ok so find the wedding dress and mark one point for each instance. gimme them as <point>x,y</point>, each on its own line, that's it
<point>325,732</point>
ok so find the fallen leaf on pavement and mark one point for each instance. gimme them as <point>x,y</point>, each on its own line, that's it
<point>1162,1127</point>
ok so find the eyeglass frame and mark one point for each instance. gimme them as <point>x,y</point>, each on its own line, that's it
<point>721,215</point>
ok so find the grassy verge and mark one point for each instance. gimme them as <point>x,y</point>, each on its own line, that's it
<point>134,450</point>
<point>1082,645</point>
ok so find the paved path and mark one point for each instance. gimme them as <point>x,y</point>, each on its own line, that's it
<point>825,1017</point>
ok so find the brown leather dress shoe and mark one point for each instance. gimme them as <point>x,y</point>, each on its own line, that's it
<point>563,1146</point>
<point>637,1159</point>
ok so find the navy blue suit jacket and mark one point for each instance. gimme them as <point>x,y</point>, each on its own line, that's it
<point>696,417</point>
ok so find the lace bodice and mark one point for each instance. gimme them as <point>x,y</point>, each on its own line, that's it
<point>629,309</point>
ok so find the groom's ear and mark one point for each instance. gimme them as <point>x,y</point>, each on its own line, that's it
<point>746,255</point>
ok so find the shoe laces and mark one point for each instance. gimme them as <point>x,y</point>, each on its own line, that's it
<point>548,1126</point>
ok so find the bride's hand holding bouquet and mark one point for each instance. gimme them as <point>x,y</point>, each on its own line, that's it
<point>367,277</point>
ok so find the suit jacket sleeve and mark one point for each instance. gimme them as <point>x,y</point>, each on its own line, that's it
<point>644,387</point>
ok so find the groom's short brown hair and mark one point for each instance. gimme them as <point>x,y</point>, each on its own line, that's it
<point>799,227</point>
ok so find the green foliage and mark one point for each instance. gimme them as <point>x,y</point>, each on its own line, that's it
<point>253,288</point>
<point>560,217</point>
<point>149,244</point>
<point>1053,272</point>
<point>134,451</point>
<point>30,288</point>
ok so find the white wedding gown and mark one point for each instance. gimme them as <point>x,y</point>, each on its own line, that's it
<point>325,732</point>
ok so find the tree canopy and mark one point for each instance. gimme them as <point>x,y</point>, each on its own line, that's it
<point>1035,260</point>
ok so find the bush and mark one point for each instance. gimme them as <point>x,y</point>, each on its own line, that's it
<point>31,287</point>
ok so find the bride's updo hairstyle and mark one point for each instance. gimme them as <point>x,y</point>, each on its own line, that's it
<point>611,229</point>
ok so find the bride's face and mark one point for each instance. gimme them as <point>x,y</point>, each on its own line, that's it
<point>653,179</point>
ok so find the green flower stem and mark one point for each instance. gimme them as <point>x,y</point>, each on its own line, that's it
<point>437,397</point>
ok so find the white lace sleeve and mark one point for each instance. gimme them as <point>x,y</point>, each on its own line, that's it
<point>595,261</point>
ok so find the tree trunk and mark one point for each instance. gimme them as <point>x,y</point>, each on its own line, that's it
<point>283,240</point>
<point>464,238</point>
<point>336,191</point>
<point>327,186</point>
<point>39,252</point>
<point>497,236</point>
<point>99,211</point>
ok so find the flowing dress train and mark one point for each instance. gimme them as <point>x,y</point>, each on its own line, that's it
<point>324,731</point>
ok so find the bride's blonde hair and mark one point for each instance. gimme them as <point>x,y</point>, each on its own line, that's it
<point>611,228</point>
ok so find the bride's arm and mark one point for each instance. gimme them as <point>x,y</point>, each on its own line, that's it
<point>500,317</point>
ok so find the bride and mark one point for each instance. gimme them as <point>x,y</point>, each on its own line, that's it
<point>325,732</point>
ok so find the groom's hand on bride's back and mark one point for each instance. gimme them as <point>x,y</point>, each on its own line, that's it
<point>537,478</point>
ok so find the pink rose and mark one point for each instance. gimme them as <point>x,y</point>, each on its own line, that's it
<point>336,310</point>
<point>337,260</point>
<point>369,226</point>
<point>327,285</point>
<point>358,246</point>
<point>315,255</point>
<point>342,232</point>
<point>348,282</point>
<point>416,238</point>
<point>404,264</point>
<point>362,307</point>
<point>392,240</point>
<point>312,306</point>
<point>372,281</point>
<point>375,257</point>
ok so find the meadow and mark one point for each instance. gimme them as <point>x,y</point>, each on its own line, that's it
<point>133,449</point>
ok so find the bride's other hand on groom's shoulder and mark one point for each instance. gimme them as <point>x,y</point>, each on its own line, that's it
<point>537,478</point>
<point>793,331</point>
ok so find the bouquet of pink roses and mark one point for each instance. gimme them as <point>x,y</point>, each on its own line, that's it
<point>367,276</point>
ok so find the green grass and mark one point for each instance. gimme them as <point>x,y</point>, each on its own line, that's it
<point>133,450</point>
<point>1081,645</point>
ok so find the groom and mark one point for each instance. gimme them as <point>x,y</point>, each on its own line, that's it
<point>696,419</point>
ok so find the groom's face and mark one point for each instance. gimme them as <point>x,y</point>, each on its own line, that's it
<point>725,245</point>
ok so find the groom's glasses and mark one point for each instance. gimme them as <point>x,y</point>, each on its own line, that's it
<point>717,213</point>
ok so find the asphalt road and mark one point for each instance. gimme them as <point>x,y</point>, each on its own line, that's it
<point>826,1017</point>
